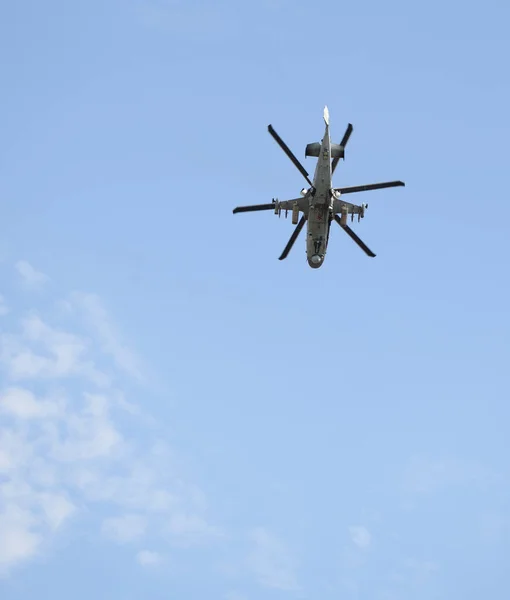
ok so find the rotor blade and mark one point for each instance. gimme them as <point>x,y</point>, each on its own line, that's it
<point>289,153</point>
<point>293,238</point>
<point>253,208</point>
<point>347,135</point>
<point>372,186</point>
<point>350,232</point>
<point>343,143</point>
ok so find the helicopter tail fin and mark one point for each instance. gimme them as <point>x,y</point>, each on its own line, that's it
<point>326,115</point>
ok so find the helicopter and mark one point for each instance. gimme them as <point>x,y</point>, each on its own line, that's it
<point>320,203</point>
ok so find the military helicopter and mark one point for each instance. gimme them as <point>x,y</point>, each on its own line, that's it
<point>321,202</point>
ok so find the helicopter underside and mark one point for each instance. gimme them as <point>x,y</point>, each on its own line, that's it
<point>317,235</point>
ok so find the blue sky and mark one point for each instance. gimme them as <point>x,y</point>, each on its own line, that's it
<point>181,414</point>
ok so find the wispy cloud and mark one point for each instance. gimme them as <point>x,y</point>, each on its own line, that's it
<point>67,446</point>
<point>31,276</point>
<point>126,528</point>
<point>4,309</point>
<point>426,475</point>
<point>97,318</point>
<point>354,555</point>
<point>22,403</point>
<point>18,540</point>
<point>203,20</point>
<point>360,536</point>
<point>39,351</point>
<point>146,558</point>
<point>57,509</point>
<point>420,570</point>
<point>410,576</point>
<point>183,18</point>
<point>235,596</point>
<point>494,527</point>
<point>272,562</point>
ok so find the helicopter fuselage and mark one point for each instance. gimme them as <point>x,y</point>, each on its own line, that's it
<point>320,204</point>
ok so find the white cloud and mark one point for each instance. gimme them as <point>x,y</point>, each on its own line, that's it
<point>66,441</point>
<point>272,562</point>
<point>98,319</point>
<point>91,433</point>
<point>57,509</point>
<point>18,541</point>
<point>192,528</point>
<point>425,475</point>
<point>40,351</point>
<point>360,536</point>
<point>126,528</point>
<point>206,20</point>
<point>355,556</point>
<point>146,558</point>
<point>30,276</point>
<point>414,574</point>
<point>181,17</point>
<point>3,306</point>
<point>235,596</point>
<point>494,527</point>
<point>23,404</point>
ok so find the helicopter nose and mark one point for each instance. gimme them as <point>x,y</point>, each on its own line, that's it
<point>315,261</point>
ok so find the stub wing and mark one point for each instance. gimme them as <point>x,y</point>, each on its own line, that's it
<point>352,209</point>
<point>289,204</point>
<point>283,205</point>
